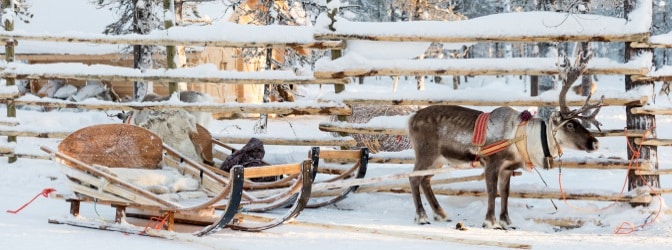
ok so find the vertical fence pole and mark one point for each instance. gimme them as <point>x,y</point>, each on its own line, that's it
<point>335,54</point>
<point>641,122</point>
<point>171,51</point>
<point>8,14</point>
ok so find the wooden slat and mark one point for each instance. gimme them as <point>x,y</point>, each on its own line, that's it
<point>657,78</point>
<point>363,128</point>
<point>651,111</point>
<point>360,128</point>
<point>654,172</point>
<point>35,134</point>
<point>6,150</point>
<point>384,187</point>
<point>168,40</point>
<point>654,142</point>
<point>381,71</point>
<point>250,108</point>
<point>618,132</point>
<point>378,100</point>
<point>599,163</point>
<point>485,37</point>
<point>8,122</point>
<point>547,194</point>
<point>4,96</point>
<point>274,170</point>
<point>340,154</point>
<point>35,74</point>
<point>32,156</point>
<point>566,222</point>
<point>324,141</point>
<point>649,44</point>
<point>392,160</point>
<point>340,68</point>
<point>574,163</point>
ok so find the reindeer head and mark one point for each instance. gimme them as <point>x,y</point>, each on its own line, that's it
<point>568,129</point>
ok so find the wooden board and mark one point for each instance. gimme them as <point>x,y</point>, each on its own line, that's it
<point>114,145</point>
<point>204,141</point>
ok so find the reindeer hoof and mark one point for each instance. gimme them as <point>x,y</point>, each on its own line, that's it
<point>505,223</point>
<point>491,225</point>
<point>421,220</point>
<point>442,218</point>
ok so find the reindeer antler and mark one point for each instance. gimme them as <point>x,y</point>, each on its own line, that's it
<point>569,74</point>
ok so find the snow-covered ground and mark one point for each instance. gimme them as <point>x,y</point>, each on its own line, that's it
<point>363,220</point>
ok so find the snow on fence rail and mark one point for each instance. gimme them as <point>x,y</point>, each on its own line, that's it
<point>219,35</point>
<point>284,108</point>
<point>352,65</point>
<point>530,27</point>
<point>200,74</point>
<point>475,98</point>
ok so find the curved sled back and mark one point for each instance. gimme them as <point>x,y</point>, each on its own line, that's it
<point>204,142</point>
<point>114,145</point>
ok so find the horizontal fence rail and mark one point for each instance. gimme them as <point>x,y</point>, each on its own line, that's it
<point>359,67</point>
<point>203,74</point>
<point>284,108</point>
<point>246,36</point>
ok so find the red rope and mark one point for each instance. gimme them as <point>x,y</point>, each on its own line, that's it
<point>159,222</point>
<point>45,192</point>
<point>625,227</point>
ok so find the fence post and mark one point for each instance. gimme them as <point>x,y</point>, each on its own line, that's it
<point>8,6</point>
<point>640,122</point>
<point>171,51</point>
<point>335,54</point>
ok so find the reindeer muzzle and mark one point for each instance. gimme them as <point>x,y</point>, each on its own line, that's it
<point>592,144</point>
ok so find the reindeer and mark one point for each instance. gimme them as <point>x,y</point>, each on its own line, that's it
<point>508,140</point>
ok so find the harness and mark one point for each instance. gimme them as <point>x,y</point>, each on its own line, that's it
<point>520,139</point>
<point>129,118</point>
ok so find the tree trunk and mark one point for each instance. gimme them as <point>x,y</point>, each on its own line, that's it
<point>641,122</point>
<point>142,55</point>
<point>9,57</point>
<point>171,50</point>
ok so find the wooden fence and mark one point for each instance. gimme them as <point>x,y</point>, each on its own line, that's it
<point>639,117</point>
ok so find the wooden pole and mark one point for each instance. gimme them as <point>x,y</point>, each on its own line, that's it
<point>9,57</point>
<point>171,51</point>
<point>335,54</point>
<point>639,121</point>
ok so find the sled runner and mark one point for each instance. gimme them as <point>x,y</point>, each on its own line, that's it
<point>320,174</point>
<point>128,167</point>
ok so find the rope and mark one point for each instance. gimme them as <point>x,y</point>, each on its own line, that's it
<point>45,192</point>
<point>159,222</point>
<point>625,227</point>
<point>95,209</point>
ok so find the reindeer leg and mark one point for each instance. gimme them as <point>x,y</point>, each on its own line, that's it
<point>504,185</point>
<point>420,214</point>
<point>439,214</point>
<point>491,176</point>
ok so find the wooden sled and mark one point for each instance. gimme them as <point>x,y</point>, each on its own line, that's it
<point>357,171</point>
<point>96,159</point>
<point>320,175</point>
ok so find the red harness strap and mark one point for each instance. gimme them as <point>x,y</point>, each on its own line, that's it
<point>480,129</point>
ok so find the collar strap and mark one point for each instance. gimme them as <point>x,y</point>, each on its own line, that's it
<point>544,140</point>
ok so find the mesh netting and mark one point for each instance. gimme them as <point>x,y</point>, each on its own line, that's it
<point>377,143</point>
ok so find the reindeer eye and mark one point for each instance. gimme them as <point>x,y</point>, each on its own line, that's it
<point>570,126</point>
